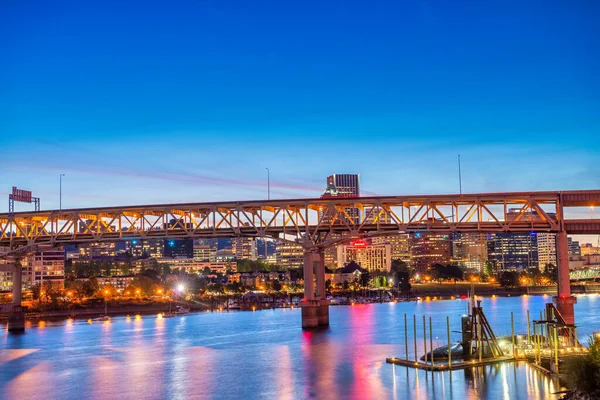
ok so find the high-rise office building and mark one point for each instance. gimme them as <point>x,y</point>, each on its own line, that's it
<point>469,251</point>
<point>512,251</point>
<point>96,250</point>
<point>574,248</point>
<point>399,246</point>
<point>205,253</point>
<point>146,248</point>
<point>340,185</point>
<point>42,266</point>
<point>244,248</point>
<point>546,246</point>
<point>372,257</point>
<point>289,255</point>
<point>427,249</point>
<point>5,276</point>
<point>376,215</point>
<point>179,248</point>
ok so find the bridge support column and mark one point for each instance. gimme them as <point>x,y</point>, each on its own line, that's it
<point>323,311</point>
<point>16,318</point>
<point>315,306</point>
<point>17,281</point>
<point>564,301</point>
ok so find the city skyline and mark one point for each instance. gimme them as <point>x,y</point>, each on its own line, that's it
<point>181,120</point>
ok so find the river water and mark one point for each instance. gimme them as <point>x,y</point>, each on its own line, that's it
<point>266,355</point>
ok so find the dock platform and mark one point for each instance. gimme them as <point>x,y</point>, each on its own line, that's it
<point>447,367</point>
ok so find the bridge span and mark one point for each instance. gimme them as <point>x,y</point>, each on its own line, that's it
<point>315,223</point>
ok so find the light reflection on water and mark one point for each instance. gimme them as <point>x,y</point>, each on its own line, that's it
<point>264,354</point>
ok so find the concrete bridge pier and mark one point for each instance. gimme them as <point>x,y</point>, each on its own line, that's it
<point>564,301</point>
<point>16,316</point>
<point>315,306</point>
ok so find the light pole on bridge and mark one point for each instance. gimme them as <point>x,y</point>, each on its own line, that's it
<point>60,192</point>
<point>268,184</point>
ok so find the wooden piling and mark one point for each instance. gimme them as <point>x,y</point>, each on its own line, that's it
<point>512,325</point>
<point>528,328</point>
<point>449,344</point>
<point>431,342</point>
<point>425,337</point>
<point>405,339</point>
<point>415,334</point>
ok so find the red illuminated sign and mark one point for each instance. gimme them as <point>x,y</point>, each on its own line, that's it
<point>359,243</point>
<point>21,195</point>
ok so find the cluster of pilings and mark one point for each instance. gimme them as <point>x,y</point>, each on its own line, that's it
<point>479,344</point>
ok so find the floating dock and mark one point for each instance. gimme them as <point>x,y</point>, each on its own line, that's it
<point>450,367</point>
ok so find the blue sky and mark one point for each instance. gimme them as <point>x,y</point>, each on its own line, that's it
<point>189,101</point>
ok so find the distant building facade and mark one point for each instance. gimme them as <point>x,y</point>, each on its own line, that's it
<point>470,251</point>
<point>179,248</point>
<point>373,258</point>
<point>289,255</point>
<point>42,266</point>
<point>244,248</point>
<point>427,249</point>
<point>513,251</point>
<point>546,246</point>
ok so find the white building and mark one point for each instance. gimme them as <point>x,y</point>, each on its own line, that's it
<point>370,257</point>
<point>244,248</point>
<point>546,244</point>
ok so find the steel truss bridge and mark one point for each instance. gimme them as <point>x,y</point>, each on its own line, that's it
<point>315,223</point>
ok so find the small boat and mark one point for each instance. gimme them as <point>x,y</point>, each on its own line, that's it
<point>178,311</point>
<point>441,353</point>
<point>233,305</point>
<point>104,317</point>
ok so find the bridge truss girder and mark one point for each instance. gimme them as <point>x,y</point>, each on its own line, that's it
<point>316,223</point>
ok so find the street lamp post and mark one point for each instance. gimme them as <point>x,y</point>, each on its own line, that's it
<point>268,184</point>
<point>60,192</point>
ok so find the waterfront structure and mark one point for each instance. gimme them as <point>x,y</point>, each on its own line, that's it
<point>427,249</point>
<point>289,255</point>
<point>302,219</point>
<point>373,258</point>
<point>179,248</point>
<point>470,251</point>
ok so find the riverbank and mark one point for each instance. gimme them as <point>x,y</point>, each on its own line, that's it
<point>93,309</point>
